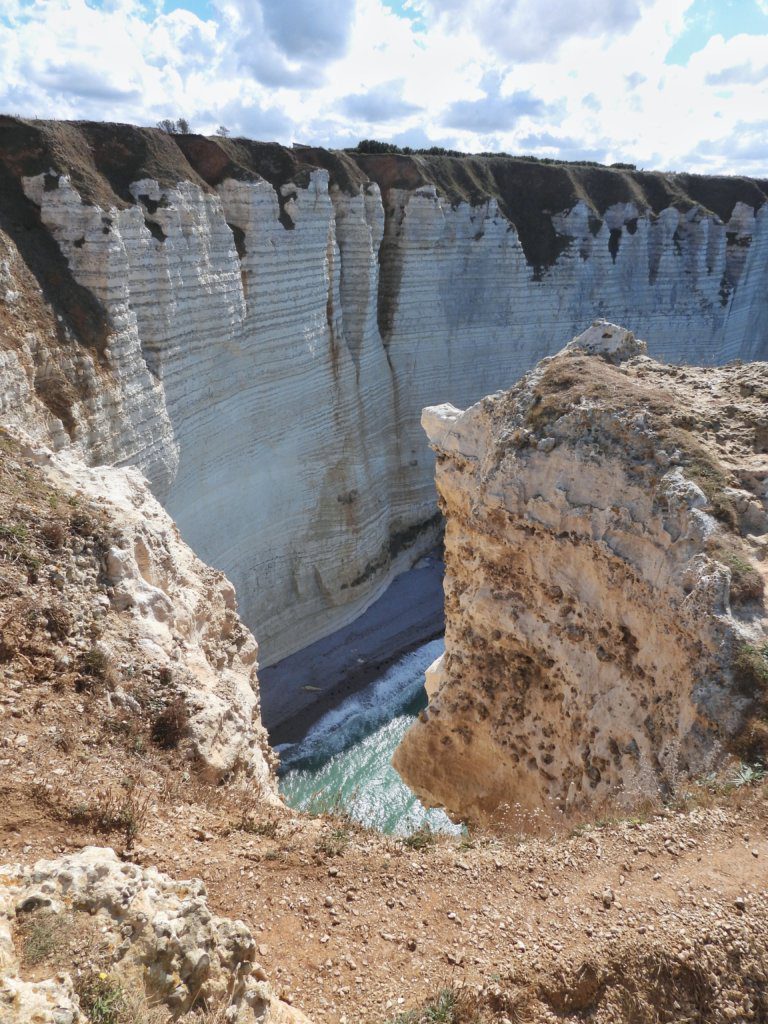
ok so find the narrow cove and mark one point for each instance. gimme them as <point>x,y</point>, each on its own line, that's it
<point>337,710</point>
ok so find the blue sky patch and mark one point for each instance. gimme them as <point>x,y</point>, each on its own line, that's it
<point>707,18</point>
<point>405,9</point>
<point>202,8</point>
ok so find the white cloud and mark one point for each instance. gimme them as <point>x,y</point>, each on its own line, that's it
<point>495,111</point>
<point>587,79</point>
<point>527,30</point>
<point>379,105</point>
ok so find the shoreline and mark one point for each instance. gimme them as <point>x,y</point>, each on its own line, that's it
<point>301,688</point>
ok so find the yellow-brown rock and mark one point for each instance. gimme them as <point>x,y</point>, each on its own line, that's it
<point>606,633</point>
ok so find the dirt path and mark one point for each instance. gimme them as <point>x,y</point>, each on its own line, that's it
<point>355,927</point>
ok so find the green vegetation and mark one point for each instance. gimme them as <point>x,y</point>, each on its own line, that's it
<point>751,664</point>
<point>746,582</point>
<point>375,146</point>
<point>748,775</point>
<point>334,842</point>
<point>268,829</point>
<point>102,998</point>
<point>421,839</point>
<point>442,1009</point>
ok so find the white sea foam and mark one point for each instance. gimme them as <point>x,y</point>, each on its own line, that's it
<point>362,713</point>
<point>345,759</point>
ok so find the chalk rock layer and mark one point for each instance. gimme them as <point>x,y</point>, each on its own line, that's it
<point>258,328</point>
<point>606,632</point>
<point>154,933</point>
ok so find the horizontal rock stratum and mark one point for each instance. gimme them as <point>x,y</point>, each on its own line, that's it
<point>257,328</point>
<point>606,535</point>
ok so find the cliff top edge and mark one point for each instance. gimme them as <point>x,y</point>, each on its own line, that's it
<point>103,159</point>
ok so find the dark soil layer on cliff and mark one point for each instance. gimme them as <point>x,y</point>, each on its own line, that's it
<point>103,159</point>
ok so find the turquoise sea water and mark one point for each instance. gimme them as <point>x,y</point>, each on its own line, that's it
<point>344,760</point>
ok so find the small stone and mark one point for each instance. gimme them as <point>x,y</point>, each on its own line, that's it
<point>333,872</point>
<point>740,903</point>
<point>546,444</point>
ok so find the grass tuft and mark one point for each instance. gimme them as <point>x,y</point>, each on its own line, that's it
<point>41,936</point>
<point>441,1009</point>
<point>101,997</point>
<point>751,665</point>
<point>422,839</point>
<point>746,582</point>
<point>170,726</point>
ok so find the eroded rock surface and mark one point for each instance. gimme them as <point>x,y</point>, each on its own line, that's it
<point>606,632</point>
<point>120,608</point>
<point>152,931</point>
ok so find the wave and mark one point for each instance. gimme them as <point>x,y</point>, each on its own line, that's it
<point>387,697</point>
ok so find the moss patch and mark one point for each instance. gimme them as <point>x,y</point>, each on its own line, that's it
<point>746,582</point>
<point>751,665</point>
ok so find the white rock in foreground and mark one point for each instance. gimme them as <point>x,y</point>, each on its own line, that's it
<point>160,930</point>
<point>183,617</point>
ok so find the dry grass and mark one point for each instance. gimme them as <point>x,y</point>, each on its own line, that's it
<point>40,936</point>
<point>570,382</point>
<point>170,726</point>
<point>124,810</point>
<point>466,1004</point>
<point>109,998</point>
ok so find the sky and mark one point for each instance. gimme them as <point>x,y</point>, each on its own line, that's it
<point>663,84</point>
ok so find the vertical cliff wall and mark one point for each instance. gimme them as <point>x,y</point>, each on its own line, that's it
<point>258,328</point>
<point>606,628</point>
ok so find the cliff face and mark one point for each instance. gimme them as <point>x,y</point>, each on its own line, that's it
<point>606,632</point>
<point>104,605</point>
<point>258,328</point>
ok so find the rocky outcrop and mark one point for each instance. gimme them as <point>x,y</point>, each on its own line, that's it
<point>144,931</point>
<point>606,631</point>
<point>258,328</point>
<point>116,571</point>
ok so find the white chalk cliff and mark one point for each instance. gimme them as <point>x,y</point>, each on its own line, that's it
<point>269,344</point>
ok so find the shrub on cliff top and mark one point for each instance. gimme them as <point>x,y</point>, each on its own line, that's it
<point>171,724</point>
<point>179,127</point>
